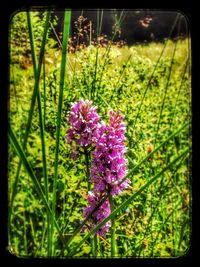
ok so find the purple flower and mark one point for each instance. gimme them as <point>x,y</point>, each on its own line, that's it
<point>109,164</point>
<point>84,123</point>
<point>99,215</point>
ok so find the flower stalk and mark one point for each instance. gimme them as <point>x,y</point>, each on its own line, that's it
<point>86,153</point>
<point>112,230</point>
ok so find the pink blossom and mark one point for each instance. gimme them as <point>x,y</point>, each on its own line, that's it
<point>99,215</point>
<point>109,162</point>
<point>84,123</point>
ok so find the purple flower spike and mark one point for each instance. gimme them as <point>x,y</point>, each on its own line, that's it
<point>109,163</point>
<point>83,120</point>
<point>99,215</point>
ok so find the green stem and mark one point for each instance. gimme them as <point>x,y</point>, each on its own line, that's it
<point>25,237</point>
<point>58,126</point>
<point>113,239</point>
<point>93,240</point>
<point>152,75</point>
<point>95,245</point>
<point>165,92</point>
<point>44,90</point>
<point>87,168</point>
<point>41,123</point>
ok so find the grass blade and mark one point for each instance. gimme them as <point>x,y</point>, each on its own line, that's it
<point>165,93</point>
<point>41,124</point>
<point>151,77</point>
<point>112,230</point>
<point>118,22</point>
<point>67,20</point>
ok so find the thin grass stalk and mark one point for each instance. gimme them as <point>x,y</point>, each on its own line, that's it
<point>97,30</point>
<point>41,118</point>
<point>86,153</point>
<point>54,31</point>
<point>101,21</point>
<point>20,152</point>
<point>122,72</point>
<point>60,44</point>
<point>112,229</point>
<point>149,223</point>
<point>14,87</point>
<point>181,236</point>
<point>179,90</point>
<point>41,124</point>
<point>171,126</point>
<point>32,229</point>
<point>128,175</point>
<point>42,133</point>
<point>42,241</point>
<point>75,202</point>
<point>172,120</point>
<point>165,93</point>
<point>37,72</point>
<point>164,223</point>
<point>108,50</point>
<point>66,29</point>
<point>25,237</point>
<point>99,25</point>
<point>90,40</point>
<point>96,245</point>
<point>128,201</point>
<point>159,228</point>
<point>75,59</point>
<point>159,201</point>
<point>94,239</point>
<point>44,91</point>
<point>151,77</point>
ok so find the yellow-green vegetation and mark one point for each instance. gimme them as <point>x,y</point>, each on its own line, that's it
<point>150,84</point>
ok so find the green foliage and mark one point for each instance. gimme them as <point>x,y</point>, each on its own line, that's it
<point>20,51</point>
<point>155,223</point>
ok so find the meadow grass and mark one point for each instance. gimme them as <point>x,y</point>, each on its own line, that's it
<point>150,84</point>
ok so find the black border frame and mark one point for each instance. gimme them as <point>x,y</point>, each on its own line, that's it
<point>191,11</point>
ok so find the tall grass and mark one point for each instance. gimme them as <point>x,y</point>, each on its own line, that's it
<point>59,113</point>
<point>37,72</point>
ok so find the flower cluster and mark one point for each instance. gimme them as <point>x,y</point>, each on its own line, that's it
<point>109,162</point>
<point>83,120</point>
<point>99,215</point>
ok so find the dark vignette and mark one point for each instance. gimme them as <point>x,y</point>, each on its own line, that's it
<point>191,11</point>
